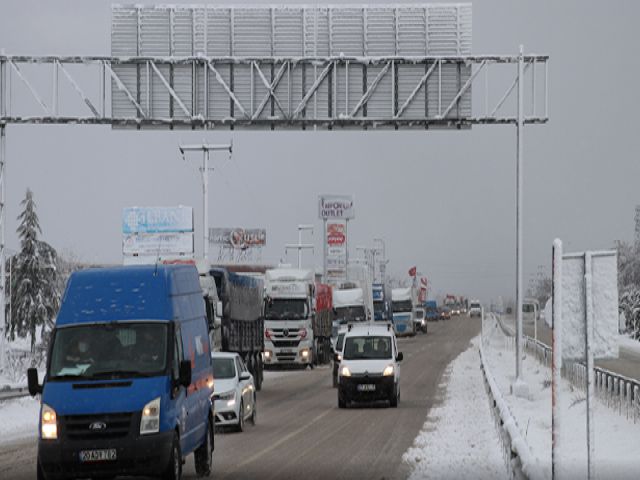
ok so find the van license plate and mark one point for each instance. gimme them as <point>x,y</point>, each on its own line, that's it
<point>98,455</point>
<point>366,387</point>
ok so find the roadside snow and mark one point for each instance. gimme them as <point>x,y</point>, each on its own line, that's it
<point>617,451</point>
<point>459,438</point>
<point>19,419</point>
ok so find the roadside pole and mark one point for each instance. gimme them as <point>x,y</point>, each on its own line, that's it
<point>204,170</point>
<point>556,346</point>
<point>588,310</point>
<point>3,283</point>
<point>519,387</point>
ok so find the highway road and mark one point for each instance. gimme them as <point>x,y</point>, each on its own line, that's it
<point>301,433</point>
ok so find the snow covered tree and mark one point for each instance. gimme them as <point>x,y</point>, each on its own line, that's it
<point>629,286</point>
<point>35,291</point>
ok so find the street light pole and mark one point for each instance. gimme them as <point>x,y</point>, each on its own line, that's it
<point>204,170</point>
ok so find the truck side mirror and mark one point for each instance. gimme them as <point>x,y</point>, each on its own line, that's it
<point>184,378</point>
<point>219,308</point>
<point>32,380</point>
<point>400,357</point>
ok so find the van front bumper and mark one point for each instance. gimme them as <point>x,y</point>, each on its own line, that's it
<point>136,455</point>
<point>349,387</point>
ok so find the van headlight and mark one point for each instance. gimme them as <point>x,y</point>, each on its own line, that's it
<point>345,372</point>
<point>150,421</point>
<point>49,423</point>
<point>388,371</point>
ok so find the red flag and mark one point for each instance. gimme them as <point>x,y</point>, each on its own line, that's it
<point>413,271</point>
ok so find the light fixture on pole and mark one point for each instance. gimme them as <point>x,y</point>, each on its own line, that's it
<point>205,148</point>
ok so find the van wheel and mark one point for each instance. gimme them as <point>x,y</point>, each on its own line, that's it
<point>334,380</point>
<point>342,403</point>
<point>174,468</point>
<point>240,426</point>
<point>395,397</point>
<point>203,456</point>
<point>40,473</point>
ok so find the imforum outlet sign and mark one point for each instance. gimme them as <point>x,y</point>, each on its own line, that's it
<point>336,207</point>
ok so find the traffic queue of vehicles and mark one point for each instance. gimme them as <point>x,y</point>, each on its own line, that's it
<point>129,387</point>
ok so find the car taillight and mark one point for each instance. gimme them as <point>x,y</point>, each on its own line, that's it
<point>302,333</point>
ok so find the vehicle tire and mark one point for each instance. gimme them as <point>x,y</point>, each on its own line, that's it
<point>334,379</point>
<point>259,375</point>
<point>395,397</point>
<point>254,413</point>
<point>203,456</point>
<point>174,468</point>
<point>342,403</point>
<point>40,473</point>
<point>240,426</point>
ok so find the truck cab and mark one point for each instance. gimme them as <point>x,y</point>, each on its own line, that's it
<point>289,309</point>
<point>403,311</point>
<point>128,388</point>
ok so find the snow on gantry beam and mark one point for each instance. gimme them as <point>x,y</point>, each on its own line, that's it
<point>425,102</point>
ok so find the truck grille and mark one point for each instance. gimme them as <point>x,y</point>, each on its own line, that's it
<point>90,427</point>
<point>286,343</point>
<point>286,357</point>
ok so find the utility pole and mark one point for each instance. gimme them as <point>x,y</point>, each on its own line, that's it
<point>205,148</point>
<point>300,246</point>
<point>3,320</point>
<point>384,261</point>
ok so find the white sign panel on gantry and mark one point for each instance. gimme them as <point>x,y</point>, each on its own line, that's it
<point>252,65</point>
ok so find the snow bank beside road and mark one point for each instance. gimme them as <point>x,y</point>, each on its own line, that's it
<point>19,419</point>
<point>459,438</point>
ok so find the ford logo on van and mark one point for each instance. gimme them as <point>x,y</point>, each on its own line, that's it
<point>98,426</point>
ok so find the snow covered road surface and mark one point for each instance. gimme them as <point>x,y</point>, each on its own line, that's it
<point>18,419</point>
<point>461,431</point>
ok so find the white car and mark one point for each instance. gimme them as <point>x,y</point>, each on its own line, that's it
<point>234,391</point>
<point>370,366</point>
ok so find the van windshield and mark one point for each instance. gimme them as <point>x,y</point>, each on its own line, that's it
<point>111,350</point>
<point>367,348</point>
<point>286,309</point>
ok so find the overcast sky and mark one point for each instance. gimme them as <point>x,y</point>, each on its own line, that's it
<point>444,201</point>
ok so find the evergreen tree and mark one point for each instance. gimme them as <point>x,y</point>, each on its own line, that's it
<point>35,292</point>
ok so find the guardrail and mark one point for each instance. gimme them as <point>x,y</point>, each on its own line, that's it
<point>616,391</point>
<point>11,393</point>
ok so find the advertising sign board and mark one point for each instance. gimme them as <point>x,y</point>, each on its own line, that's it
<point>336,250</point>
<point>336,206</point>
<point>157,219</point>
<point>240,238</point>
<point>177,243</point>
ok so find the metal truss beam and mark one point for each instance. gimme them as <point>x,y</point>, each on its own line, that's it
<point>322,92</point>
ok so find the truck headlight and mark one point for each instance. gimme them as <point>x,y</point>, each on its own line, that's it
<point>150,421</point>
<point>304,353</point>
<point>345,372</point>
<point>49,423</point>
<point>388,371</point>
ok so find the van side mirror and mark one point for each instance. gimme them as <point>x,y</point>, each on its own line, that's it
<point>184,378</point>
<point>32,380</point>
<point>400,357</point>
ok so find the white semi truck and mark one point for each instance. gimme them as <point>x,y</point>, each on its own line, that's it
<point>297,328</point>
<point>353,299</point>
<point>403,306</point>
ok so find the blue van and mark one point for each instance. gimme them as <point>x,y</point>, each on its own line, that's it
<point>129,383</point>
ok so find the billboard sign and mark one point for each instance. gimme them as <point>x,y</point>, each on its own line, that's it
<point>604,301</point>
<point>157,219</point>
<point>336,206</point>
<point>336,250</point>
<point>158,244</point>
<point>239,238</point>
